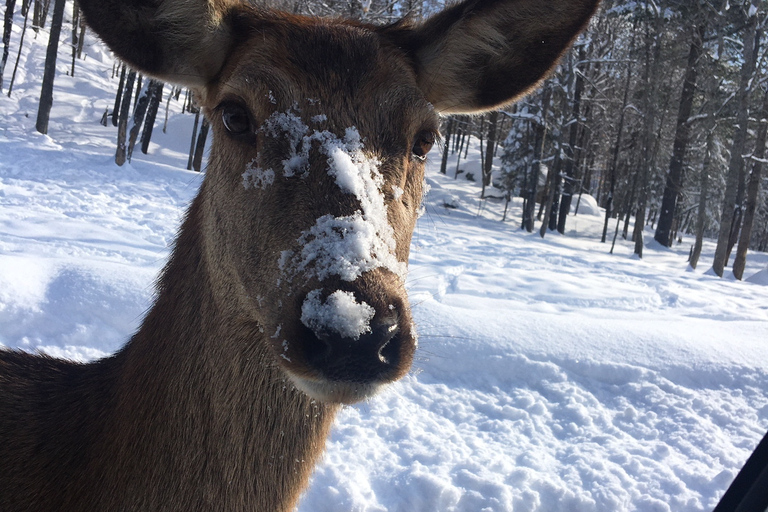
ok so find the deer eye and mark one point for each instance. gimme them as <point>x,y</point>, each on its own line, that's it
<point>236,119</point>
<point>423,143</point>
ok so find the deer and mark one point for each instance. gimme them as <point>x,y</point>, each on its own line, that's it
<point>283,298</point>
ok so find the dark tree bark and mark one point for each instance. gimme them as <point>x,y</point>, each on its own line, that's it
<point>197,161</point>
<point>139,112</point>
<point>81,37</point>
<point>548,206</point>
<point>194,139</point>
<point>652,66</point>
<point>44,13</point>
<point>18,54</point>
<point>118,97</point>
<point>46,93</point>
<point>75,27</point>
<point>493,119</point>
<point>37,14</point>
<point>676,174</point>
<point>571,152</point>
<point>10,5</point>
<point>156,96</point>
<point>731,208</point>
<point>122,125</point>
<point>703,192</point>
<point>616,149</point>
<point>139,83</point>
<point>752,191</point>
<point>529,206</point>
<point>446,144</point>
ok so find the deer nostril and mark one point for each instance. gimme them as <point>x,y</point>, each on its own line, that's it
<point>369,357</point>
<point>387,332</point>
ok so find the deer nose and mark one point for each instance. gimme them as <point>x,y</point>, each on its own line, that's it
<point>353,346</point>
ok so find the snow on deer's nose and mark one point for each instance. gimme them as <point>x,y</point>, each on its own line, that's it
<point>343,246</point>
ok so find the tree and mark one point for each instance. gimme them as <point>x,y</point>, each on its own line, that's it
<point>25,12</point>
<point>493,119</point>
<point>571,150</point>
<point>46,94</point>
<point>155,97</point>
<point>752,191</point>
<point>731,206</point>
<point>7,26</point>
<point>122,125</point>
<point>529,204</point>
<point>197,160</point>
<point>139,111</point>
<point>676,173</point>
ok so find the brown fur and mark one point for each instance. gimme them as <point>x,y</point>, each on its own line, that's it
<point>202,409</point>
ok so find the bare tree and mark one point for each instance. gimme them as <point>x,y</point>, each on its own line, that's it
<point>122,126</point>
<point>155,97</point>
<point>752,191</point>
<point>10,5</point>
<point>729,217</point>
<point>676,173</point>
<point>46,94</point>
<point>25,12</point>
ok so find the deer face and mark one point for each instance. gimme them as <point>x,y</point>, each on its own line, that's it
<point>316,179</point>
<point>316,169</point>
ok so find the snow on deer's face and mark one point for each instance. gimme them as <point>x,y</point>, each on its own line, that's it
<point>321,142</point>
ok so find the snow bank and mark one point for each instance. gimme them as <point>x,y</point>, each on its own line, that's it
<point>550,374</point>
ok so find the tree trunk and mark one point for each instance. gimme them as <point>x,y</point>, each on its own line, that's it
<point>137,121</point>
<point>752,190</point>
<point>549,221</point>
<point>675,176</point>
<point>194,139</point>
<point>736,163</point>
<point>704,191</point>
<point>480,136</point>
<point>118,97</point>
<point>616,149</point>
<point>44,14</point>
<point>18,54</point>
<point>156,96</point>
<point>493,119</point>
<point>200,146</point>
<point>75,27</point>
<point>538,148</point>
<point>139,83</point>
<point>10,5</point>
<point>650,106</point>
<point>46,93</point>
<point>81,37</point>
<point>122,125</point>
<point>446,144</point>
<point>37,14</point>
<point>571,151</point>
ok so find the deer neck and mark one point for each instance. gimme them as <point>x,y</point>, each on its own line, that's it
<point>201,401</point>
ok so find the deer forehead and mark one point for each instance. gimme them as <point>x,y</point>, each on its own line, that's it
<point>346,75</point>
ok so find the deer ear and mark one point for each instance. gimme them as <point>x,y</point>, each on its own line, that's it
<point>180,41</point>
<point>481,54</point>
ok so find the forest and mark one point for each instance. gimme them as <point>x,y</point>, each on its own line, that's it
<point>658,111</point>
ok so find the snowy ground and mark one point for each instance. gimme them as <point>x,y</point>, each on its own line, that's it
<point>551,375</point>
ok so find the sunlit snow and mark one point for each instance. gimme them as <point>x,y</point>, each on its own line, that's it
<point>550,375</point>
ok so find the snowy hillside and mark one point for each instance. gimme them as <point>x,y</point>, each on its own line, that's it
<point>550,375</point>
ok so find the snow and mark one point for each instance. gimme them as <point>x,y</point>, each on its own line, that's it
<point>349,245</point>
<point>256,177</point>
<point>550,375</point>
<point>340,313</point>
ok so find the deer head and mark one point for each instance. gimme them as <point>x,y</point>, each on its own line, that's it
<point>315,177</point>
